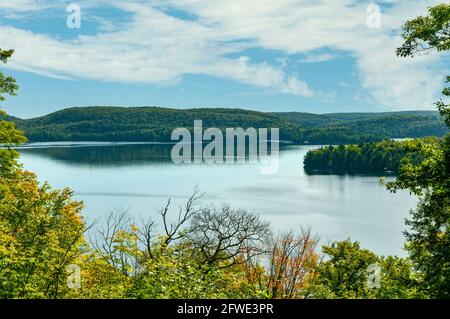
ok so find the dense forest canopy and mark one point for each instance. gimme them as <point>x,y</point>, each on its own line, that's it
<point>377,157</point>
<point>155,124</point>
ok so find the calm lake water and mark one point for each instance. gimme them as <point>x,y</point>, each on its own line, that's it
<point>141,177</point>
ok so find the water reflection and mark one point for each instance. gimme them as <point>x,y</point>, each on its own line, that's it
<point>109,154</point>
<point>95,155</point>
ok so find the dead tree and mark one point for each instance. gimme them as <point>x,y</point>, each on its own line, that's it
<point>174,230</point>
<point>225,237</point>
<point>105,241</point>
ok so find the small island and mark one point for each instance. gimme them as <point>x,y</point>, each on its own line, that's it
<point>375,157</point>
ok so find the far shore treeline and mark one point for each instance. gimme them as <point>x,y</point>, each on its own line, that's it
<point>155,124</point>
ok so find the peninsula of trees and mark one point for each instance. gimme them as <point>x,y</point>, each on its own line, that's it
<point>377,157</point>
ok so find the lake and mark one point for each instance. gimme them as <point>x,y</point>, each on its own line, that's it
<point>140,178</point>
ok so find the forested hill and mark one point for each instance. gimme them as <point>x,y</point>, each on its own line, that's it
<point>156,124</point>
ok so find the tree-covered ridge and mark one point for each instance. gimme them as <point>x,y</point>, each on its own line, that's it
<point>376,157</point>
<point>155,124</point>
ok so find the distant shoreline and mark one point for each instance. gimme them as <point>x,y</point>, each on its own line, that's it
<point>156,125</point>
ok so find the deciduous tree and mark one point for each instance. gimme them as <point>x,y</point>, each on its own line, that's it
<point>428,233</point>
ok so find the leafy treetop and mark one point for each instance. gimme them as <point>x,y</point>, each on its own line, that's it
<point>425,33</point>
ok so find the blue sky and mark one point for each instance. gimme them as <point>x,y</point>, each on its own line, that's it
<point>287,55</point>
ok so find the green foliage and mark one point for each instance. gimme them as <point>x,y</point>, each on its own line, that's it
<point>7,83</point>
<point>428,233</point>
<point>9,135</point>
<point>443,108</point>
<point>344,274</point>
<point>41,232</point>
<point>153,124</point>
<point>132,262</point>
<point>424,34</point>
<point>381,157</point>
<point>175,274</point>
<point>398,280</point>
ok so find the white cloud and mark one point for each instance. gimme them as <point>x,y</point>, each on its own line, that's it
<point>19,5</point>
<point>153,47</point>
<point>156,47</point>
<point>304,26</point>
<point>258,74</point>
<point>317,58</point>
